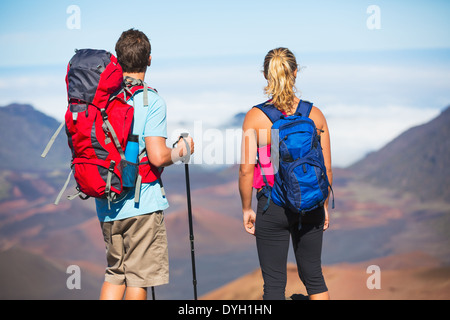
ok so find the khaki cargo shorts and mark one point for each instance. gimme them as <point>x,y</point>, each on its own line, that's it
<point>136,251</point>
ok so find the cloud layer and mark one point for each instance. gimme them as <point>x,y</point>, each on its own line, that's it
<point>366,103</point>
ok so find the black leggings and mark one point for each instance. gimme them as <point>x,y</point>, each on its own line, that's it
<point>273,228</point>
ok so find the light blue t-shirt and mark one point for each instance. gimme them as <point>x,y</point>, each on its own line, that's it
<point>148,122</point>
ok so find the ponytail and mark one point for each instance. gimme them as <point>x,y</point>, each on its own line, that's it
<point>279,70</point>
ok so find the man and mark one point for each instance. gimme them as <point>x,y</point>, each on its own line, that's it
<point>135,234</point>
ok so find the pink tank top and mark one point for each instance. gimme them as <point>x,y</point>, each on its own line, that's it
<point>264,159</point>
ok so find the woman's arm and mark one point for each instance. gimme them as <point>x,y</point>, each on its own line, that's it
<point>321,124</point>
<point>246,169</point>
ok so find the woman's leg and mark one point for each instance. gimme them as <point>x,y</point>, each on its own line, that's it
<point>272,242</point>
<point>307,243</point>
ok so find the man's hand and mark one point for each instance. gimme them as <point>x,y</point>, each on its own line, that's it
<point>162,156</point>
<point>182,146</point>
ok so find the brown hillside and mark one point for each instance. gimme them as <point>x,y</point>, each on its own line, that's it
<point>214,233</point>
<point>403,277</point>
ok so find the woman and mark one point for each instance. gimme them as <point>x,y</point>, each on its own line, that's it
<point>275,225</point>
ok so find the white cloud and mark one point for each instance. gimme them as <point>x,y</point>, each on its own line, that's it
<point>46,92</point>
<point>366,106</point>
<point>357,130</point>
<point>377,85</point>
<point>213,94</point>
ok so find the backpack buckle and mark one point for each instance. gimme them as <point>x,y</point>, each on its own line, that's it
<point>104,114</point>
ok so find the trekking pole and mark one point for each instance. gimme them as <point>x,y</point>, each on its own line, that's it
<point>191,229</point>
<point>153,293</point>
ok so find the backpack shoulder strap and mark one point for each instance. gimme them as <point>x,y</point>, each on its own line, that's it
<point>132,86</point>
<point>304,108</point>
<point>270,111</point>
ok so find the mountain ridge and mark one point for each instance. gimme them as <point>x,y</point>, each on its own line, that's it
<point>369,222</point>
<point>415,162</point>
<point>24,132</point>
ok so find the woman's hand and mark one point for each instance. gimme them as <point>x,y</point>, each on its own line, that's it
<point>249,221</point>
<point>326,223</point>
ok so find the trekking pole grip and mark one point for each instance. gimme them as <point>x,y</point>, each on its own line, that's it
<point>186,158</point>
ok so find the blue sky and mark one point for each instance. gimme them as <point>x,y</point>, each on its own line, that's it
<point>180,29</point>
<point>207,58</point>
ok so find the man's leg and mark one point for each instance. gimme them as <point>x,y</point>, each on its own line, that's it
<point>112,291</point>
<point>114,285</point>
<point>135,293</point>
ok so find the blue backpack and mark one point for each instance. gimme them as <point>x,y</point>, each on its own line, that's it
<point>300,181</point>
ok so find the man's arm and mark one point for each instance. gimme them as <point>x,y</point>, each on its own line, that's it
<point>161,156</point>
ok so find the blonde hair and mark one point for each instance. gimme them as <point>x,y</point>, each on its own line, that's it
<point>279,70</point>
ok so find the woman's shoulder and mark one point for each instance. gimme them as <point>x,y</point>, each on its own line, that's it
<point>316,111</point>
<point>255,117</point>
<point>318,117</point>
<point>256,112</point>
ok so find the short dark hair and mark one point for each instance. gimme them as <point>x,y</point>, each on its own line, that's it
<point>133,50</point>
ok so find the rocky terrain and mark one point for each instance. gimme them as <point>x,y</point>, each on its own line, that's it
<point>396,223</point>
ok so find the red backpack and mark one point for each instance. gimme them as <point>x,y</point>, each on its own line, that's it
<point>99,123</point>
<point>137,168</point>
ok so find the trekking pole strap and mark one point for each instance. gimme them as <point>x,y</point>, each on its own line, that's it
<point>188,152</point>
<point>187,157</point>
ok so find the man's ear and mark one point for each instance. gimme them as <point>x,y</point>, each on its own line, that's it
<point>149,60</point>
